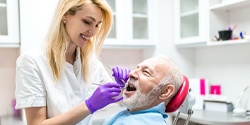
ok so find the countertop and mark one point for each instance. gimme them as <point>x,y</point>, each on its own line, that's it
<point>216,118</point>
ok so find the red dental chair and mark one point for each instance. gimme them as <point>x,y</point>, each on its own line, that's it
<point>183,101</point>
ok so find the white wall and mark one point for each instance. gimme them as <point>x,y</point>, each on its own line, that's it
<point>8,58</point>
<point>228,66</point>
<point>121,57</point>
<point>33,28</point>
<point>183,57</point>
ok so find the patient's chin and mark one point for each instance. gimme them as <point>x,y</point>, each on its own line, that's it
<point>137,101</point>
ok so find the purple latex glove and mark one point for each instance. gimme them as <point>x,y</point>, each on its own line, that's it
<point>121,75</point>
<point>104,95</point>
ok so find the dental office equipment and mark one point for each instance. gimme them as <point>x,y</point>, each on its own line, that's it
<point>241,103</point>
<point>186,108</point>
<point>183,101</point>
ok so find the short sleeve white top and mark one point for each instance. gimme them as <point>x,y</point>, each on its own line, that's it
<point>36,87</point>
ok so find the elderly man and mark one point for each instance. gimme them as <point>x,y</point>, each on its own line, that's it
<point>149,89</point>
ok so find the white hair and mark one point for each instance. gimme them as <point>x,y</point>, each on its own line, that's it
<point>174,76</point>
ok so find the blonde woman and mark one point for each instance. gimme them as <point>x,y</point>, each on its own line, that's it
<point>54,84</point>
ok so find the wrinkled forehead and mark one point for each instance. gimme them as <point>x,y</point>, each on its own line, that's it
<point>157,65</point>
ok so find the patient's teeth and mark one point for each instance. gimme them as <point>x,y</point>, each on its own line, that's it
<point>131,88</point>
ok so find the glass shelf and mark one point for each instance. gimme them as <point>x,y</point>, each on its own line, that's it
<point>2,4</point>
<point>140,15</point>
<point>187,6</point>
<point>190,13</point>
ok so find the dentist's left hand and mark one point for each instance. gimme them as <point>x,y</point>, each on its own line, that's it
<point>104,95</point>
<point>121,75</point>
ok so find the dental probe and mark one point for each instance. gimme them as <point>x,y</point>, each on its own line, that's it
<point>97,84</point>
<point>101,84</point>
<point>120,79</point>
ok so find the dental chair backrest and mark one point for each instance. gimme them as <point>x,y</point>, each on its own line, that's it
<point>179,98</point>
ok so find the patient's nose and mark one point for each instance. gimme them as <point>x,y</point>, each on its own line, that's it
<point>133,75</point>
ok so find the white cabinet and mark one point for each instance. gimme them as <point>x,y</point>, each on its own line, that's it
<point>9,23</point>
<point>134,23</point>
<point>190,22</point>
<point>197,22</point>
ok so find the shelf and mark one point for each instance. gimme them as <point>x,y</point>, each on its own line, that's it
<point>228,42</point>
<point>231,5</point>
<point>215,43</point>
<point>2,4</point>
<point>140,15</point>
<point>189,13</point>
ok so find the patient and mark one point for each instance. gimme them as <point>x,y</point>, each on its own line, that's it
<point>149,89</point>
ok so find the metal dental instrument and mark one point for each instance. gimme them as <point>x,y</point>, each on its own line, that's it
<point>101,84</point>
<point>112,70</point>
<point>97,84</point>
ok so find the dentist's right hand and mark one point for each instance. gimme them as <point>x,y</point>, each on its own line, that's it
<point>104,95</point>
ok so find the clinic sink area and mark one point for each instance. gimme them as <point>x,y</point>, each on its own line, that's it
<point>11,120</point>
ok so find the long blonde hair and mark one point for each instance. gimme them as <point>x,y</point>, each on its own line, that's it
<point>57,38</point>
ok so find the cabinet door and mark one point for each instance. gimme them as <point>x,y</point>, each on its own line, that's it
<point>141,20</point>
<point>133,23</point>
<point>190,22</point>
<point>116,35</point>
<point>9,23</point>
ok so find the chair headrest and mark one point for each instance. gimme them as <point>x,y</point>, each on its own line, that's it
<point>179,97</point>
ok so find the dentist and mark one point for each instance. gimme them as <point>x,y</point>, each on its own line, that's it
<point>54,82</point>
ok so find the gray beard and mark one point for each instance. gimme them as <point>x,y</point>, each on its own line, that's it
<point>139,100</point>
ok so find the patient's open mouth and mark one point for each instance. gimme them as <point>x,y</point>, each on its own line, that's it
<point>130,87</point>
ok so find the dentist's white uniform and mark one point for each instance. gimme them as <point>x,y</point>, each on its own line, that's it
<point>36,87</point>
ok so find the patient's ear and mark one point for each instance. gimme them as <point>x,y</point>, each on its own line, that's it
<point>167,91</point>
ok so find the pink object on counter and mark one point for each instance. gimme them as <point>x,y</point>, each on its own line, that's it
<point>215,89</point>
<point>202,87</point>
